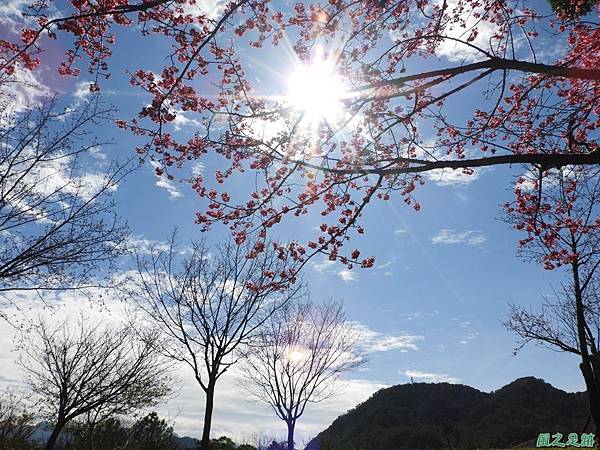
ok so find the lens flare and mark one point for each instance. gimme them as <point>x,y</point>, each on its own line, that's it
<point>317,92</point>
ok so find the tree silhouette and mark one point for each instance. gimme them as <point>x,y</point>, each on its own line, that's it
<point>80,368</point>
<point>153,433</point>
<point>16,421</point>
<point>301,353</point>
<point>58,225</point>
<point>208,304</point>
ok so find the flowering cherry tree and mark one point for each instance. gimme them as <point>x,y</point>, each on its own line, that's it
<point>392,75</point>
<point>558,212</point>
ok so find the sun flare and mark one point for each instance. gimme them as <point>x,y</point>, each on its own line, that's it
<point>317,91</point>
<point>296,355</point>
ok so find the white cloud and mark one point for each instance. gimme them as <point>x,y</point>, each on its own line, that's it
<point>98,153</point>
<point>326,266</point>
<point>374,341</point>
<point>211,8</point>
<point>235,414</point>
<point>143,245</point>
<point>456,177</point>
<point>323,265</point>
<point>405,317</point>
<point>169,187</point>
<point>166,184</point>
<point>347,275</point>
<point>56,175</point>
<point>82,90</point>
<point>23,89</point>
<point>20,92</point>
<point>448,237</point>
<point>197,169</point>
<point>181,120</point>
<point>429,377</point>
<point>458,51</point>
<point>430,150</point>
<point>61,175</point>
<point>469,337</point>
<point>401,230</point>
<point>11,13</point>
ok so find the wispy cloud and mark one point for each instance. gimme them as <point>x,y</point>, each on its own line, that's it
<point>182,120</point>
<point>20,92</point>
<point>326,266</point>
<point>197,169</point>
<point>469,337</point>
<point>323,265</point>
<point>470,19</point>
<point>429,377</point>
<point>347,275</point>
<point>456,177</point>
<point>82,90</point>
<point>166,184</point>
<point>211,8</point>
<point>449,237</point>
<point>169,187</point>
<point>236,415</point>
<point>405,317</point>
<point>374,341</point>
<point>144,246</point>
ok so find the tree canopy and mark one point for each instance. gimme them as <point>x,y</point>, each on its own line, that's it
<point>405,72</point>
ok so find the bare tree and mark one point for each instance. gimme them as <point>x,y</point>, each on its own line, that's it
<point>302,351</point>
<point>555,325</point>
<point>208,304</point>
<point>16,421</point>
<point>78,368</point>
<point>58,225</point>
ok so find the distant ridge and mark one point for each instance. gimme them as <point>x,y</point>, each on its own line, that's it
<point>42,431</point>
<point>454,416</point>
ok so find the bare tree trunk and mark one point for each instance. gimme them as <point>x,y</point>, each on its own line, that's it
<point>208,410</point>
<point>589,363</point>
<point>54,435</point>
<point>593,391</point>
<point>90,436</point>
<point>290,440</point>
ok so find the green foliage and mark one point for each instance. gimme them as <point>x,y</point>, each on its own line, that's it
<point>109,434</point>
<point>246,447</point>
<point>16,422</point>
<point>440,416</point>
<point>152,433</point>
<point>148,433</point>
<point>225,443</point>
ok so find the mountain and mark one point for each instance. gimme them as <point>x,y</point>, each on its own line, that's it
<point>439,416</point>
<point>186,442</point>
<point>41,432</point>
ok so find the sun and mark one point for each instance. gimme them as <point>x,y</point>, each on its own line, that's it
<point>317,92</point>
<point>296,355</point>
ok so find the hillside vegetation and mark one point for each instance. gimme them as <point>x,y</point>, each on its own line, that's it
<point>434,416</point>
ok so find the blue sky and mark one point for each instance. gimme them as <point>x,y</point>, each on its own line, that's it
<point>430,308</point>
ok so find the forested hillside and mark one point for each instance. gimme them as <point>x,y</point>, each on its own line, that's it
<point>425,415</point>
